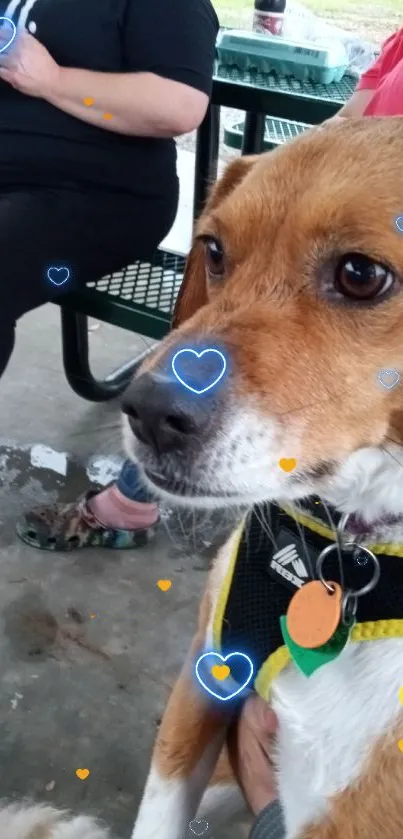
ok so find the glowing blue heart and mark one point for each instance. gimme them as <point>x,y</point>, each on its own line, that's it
<point>13,33</point>
<point>56,277</point>
<point>199,355</point>
<point>224,659</point>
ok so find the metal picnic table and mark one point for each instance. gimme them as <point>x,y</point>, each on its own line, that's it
<point>141,297</point>
<point>284,98</point>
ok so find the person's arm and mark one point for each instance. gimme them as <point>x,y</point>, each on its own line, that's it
<point>249,753</point>
<point>368,82</point>
<point>357,104</point>
<point>168,53</point>
<point>269,823</point>
<point>141,104</point>
<point>166,83</point>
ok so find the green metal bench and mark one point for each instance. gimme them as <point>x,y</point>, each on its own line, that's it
<point>139,298</point>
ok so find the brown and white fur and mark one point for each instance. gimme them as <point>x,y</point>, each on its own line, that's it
<point>302,383</point>
<point>36,821</point>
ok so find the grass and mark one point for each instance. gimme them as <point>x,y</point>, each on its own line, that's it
<point>236,12</point>
<point>383,7</point>
<point>323,7</point>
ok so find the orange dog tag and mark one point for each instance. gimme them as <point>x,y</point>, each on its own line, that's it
<point>314,614</point>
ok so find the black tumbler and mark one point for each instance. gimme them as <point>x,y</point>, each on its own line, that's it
<point>269,16</point>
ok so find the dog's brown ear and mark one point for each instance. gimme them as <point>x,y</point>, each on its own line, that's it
<point>193,291</point>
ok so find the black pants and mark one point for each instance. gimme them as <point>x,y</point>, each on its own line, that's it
<point>90,234</point>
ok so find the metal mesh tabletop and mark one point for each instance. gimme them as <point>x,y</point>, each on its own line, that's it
<point>284,97</point>
<point>336,92</point>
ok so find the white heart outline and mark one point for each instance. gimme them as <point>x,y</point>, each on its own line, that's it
<point>397,219</point>
<point>62,268</point>
<point>8,44</point>
<point>11,22</point>
<point>224,659</point>
<point>195,822</point>
<point>388,372</point>
<point>199,355</point>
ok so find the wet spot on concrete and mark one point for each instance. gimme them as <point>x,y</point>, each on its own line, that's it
<point>30,626</point>
<point>47,458</point>
<point>20,466</point>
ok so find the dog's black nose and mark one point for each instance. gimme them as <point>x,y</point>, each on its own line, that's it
<point>163,415</point>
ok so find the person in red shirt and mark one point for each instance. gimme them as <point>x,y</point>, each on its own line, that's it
<point>379,92</point>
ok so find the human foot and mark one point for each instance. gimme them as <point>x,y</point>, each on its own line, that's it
<point>113,509</point>
<point>83,524</point>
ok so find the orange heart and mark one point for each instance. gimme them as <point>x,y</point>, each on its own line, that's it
<point>287,464</point>
<point>88,101</point>
<point>82,774</point>
<point>164,585</point>
<point>220,671</point>
<point>107,116</point>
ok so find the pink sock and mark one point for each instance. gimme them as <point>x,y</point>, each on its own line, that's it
<point>113,509</point>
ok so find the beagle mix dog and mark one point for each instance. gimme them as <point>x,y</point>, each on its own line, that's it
<point>295,275</point>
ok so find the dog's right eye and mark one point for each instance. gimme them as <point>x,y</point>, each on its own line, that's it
<point>215,260</point>
<point>360,278</point>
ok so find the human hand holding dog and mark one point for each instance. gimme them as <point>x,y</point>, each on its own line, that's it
<point>251,760</point>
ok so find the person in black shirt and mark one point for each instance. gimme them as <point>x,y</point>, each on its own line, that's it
<point>92,93</point>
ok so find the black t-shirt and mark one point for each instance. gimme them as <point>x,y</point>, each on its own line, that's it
<point>41,145</point>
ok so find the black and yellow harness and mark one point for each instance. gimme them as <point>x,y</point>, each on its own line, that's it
<point>262,579</point>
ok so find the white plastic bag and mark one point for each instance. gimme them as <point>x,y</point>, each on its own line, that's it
<point>300,24</point>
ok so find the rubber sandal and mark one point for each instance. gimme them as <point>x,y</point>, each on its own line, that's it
<point>68,527</point>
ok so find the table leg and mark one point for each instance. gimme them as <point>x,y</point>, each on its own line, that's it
<point>207,147</point>
<point>75,351</point>
<point>253,133</point>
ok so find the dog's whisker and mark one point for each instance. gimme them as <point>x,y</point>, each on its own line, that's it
<point>194,528</point>
<point>306,406</point>
<point>386,451</point>
<point>171,538</point>
<point>391,440</point>
<point>304,545</point>
<point>263,527</point>
<point>100,427</point>
<point>334,530</point>
<point>266,525</point>
<point>259,516</point>
<point>259,510</point>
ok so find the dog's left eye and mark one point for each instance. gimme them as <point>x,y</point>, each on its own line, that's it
<point>359,278</point>
<point>215,259</point>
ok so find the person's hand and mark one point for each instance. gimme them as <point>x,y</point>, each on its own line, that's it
<point>250,759</point>
<point>27,65</point>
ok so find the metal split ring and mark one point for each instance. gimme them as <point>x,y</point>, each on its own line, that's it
<point>349,602</point>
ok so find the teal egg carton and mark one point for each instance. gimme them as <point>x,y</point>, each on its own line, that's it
<point>322,63</point>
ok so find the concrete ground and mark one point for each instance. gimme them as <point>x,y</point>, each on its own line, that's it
<point>89,645</point>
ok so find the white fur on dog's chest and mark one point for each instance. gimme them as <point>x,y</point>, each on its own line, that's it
<point>330,721</point>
